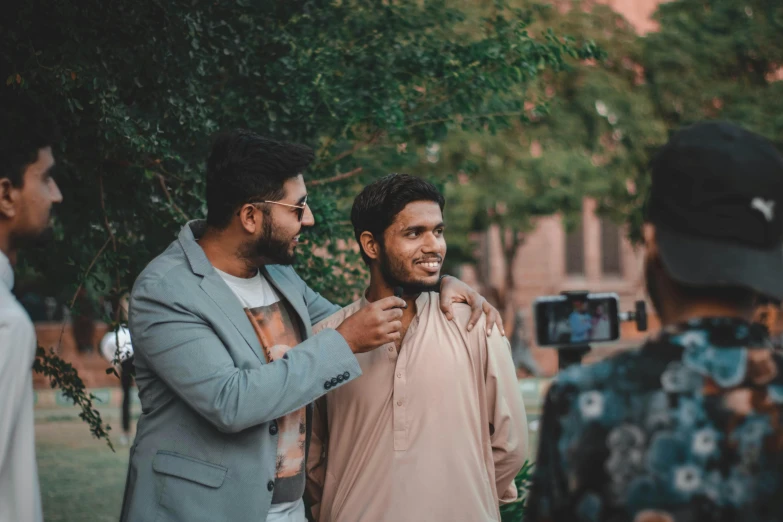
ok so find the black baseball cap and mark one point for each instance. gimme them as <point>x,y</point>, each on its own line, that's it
<point>717,205</point>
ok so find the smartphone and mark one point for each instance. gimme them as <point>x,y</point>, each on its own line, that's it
<point>571,321</point>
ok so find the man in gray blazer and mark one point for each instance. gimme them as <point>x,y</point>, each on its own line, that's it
<point>226,363</point>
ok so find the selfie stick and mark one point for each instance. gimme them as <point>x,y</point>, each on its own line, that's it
<point>574,354</point>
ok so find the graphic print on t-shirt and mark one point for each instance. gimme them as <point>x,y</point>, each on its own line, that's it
<point>277,331</point>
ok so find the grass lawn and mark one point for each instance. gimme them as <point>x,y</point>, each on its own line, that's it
<point>82,480</point>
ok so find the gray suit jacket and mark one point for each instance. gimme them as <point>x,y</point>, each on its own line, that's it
<point>206,442</point>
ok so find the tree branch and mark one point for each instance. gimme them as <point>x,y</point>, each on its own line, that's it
<point>162,181</point>
<point>358,145</point>
<point>338,177</point>
<point>79,288</point>
<point>111,233</point>
<point>105,216</point>
<point>89,269</point>
<point>64,376</point>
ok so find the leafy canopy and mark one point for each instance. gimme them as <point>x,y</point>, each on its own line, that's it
<point>140,85</point>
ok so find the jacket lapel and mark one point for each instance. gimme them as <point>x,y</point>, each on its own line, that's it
<point>214,286</point>
<point>224,298</point>
<point>293,297</point>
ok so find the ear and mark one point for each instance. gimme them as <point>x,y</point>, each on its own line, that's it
<point>370,246</point>
<point>251,218</point>
<point>8,198</point>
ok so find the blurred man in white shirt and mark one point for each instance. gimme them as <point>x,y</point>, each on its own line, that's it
<point>27,193</point>
<point>116,347</point>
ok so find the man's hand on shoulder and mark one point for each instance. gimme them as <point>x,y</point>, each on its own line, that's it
<point>374,325</point>
<point>463,314</point>
<point>453,290</point>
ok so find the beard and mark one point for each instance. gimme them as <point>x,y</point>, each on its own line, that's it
<point>270,248</point>
<point>394,273</point>
<point>38,240</point>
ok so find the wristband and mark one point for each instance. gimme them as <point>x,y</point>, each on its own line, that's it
<point>440,283</point>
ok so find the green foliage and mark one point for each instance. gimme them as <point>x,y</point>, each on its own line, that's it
<point>719,59</point>
<point>585,132</point>
<point>591,130</point>
<point>140,85</point>
<point>62,375</point>
<point>515,512</point>
<point>483,95</point>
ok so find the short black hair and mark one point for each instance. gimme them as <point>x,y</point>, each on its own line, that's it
<point>763,300</point>
<point>376,206</point>
<point>740,297</point>
<point>244,167</point>
<point>26,128</point>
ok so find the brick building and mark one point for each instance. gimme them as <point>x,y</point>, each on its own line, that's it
<point>638,12</point>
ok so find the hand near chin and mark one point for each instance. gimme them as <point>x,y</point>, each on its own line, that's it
<point>374,325</point>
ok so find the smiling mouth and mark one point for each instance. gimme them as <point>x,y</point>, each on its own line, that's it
<point>430,265</point>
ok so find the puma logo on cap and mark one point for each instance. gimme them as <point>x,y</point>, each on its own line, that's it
<point>765,207</point>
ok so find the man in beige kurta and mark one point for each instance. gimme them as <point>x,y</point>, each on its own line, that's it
<point>435,429</point>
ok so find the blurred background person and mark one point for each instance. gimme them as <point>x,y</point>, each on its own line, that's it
<point>601,329</point>
<point>688,427</point>
<point>27,192</point>
<point>580,323</point>
<point>116,347</point>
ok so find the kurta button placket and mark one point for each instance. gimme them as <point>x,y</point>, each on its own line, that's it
<point>399,414</point>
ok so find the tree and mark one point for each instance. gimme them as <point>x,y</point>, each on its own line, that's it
<point>719,59</point>
<point>139,87</point>
<point>585,132</point>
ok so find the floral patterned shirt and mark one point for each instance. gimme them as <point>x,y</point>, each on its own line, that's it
<point>688,428</point>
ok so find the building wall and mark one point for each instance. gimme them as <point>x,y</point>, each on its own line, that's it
<point>90,366</point>
<point>638,12</point>
<point>539,268</point>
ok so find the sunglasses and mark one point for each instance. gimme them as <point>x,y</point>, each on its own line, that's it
<point>299,208</point>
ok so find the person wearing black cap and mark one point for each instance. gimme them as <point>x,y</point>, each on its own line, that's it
<point>690,426</point>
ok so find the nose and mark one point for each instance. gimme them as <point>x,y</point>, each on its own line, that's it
<point>57,196</point>
<point>308,219</point>
<point>432,244</point>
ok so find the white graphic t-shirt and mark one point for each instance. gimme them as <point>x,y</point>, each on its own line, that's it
<point>275,324</point>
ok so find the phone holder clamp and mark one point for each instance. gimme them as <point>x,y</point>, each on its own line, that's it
<point>575,354</point>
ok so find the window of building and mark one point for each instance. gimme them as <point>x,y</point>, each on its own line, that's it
<point>575,250</point>
<point>610,248</point>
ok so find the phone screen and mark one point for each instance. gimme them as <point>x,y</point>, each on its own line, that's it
<point>564,321</point>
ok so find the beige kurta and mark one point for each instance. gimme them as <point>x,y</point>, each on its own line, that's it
<point>430,434</point>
